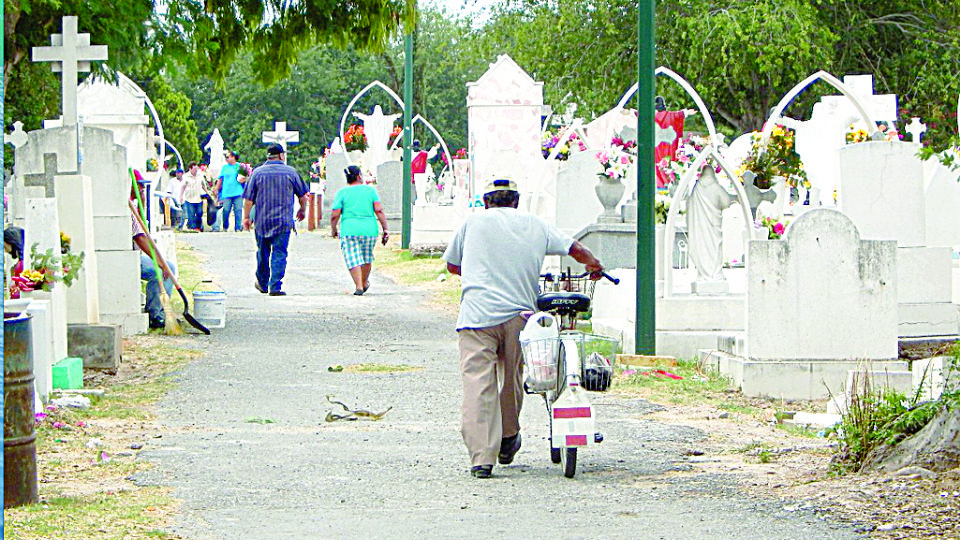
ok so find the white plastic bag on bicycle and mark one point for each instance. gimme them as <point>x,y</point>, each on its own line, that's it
<point>540,343</point>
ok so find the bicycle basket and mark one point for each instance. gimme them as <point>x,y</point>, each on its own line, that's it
<point>540,364</point>
<point>563,283</point>
<point>599,354</point>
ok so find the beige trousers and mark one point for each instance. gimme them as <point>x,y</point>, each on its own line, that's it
<point>491,366</point>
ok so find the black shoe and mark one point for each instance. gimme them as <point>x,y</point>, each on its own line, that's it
<point>259,287</point>
<point>278,293</point>
<point>509,446</point>
<point>358,292</point>
<point>481,471</point>
<point>157,323</point>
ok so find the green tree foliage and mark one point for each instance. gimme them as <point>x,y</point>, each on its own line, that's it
<point>310,100</point>
<point>122,25</point>
<point>204,36</point>
<point>179,128</point>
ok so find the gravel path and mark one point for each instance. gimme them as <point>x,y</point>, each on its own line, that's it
<point>407,475</point>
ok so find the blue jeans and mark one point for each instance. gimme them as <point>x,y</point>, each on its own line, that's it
<point>193,211</point>
<point>147,273</point>
<point>272,260</point>
<point>236,205</point>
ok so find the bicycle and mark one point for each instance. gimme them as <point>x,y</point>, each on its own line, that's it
<point>561,363</point>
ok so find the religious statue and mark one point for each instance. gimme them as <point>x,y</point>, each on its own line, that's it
<point>705,209</point>
<point>215,147</point>
<point>377,127</point>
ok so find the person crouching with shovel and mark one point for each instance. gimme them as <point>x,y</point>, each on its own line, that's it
<point>159,310</point>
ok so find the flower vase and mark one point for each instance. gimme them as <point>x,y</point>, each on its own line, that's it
<point>609,191</point>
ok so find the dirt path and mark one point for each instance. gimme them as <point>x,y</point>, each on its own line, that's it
<point>246,447</point>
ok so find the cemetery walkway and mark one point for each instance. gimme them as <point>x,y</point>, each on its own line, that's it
<point>246,447</point>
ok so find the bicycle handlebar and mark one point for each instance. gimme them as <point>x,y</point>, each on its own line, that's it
<point>550,277</point>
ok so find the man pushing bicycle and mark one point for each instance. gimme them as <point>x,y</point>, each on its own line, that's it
<point>498,253</point>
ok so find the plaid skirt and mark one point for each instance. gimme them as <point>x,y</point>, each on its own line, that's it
<point>357,250</point>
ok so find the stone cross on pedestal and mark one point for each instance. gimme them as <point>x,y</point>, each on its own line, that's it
<point>17,137</point>
<point>916,128</point>
<point>71,54</point>
<point>281,136</point>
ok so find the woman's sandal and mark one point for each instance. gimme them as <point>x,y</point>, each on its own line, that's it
<point>358,292</point>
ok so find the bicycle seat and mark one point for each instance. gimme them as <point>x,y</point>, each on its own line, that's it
<point>563,301</point>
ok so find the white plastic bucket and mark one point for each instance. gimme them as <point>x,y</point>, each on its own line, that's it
<point>210,308</point>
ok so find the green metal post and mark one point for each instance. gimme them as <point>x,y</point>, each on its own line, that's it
<point>646,323</point>
<point>407,138</point>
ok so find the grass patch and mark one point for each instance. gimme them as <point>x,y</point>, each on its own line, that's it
<point>428,272</point>
<point>189,273</point>
<point>379,368</point>
<point>107,516</point>
<point>85,456</point>
<point>696,386</point>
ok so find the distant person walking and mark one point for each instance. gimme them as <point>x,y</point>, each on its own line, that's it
<point>354,215</point>
<point>271,189</point>
<point>193,196</point>
<point>229,189</point>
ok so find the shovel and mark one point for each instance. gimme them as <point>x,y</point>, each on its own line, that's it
<point>186,309</point>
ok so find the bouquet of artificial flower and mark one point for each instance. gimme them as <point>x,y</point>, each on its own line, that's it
<point>355,138</point>
<point>615,162</point>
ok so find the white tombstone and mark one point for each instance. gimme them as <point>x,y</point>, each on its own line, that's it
<point>336,177</point>
<point>42,228</point>
<point>576,199</point>
<point>819,139</point>
<point>941,201</point>
<point>119,109</point>
<point>818,302</point>
<point>280,135</point>
<point>881,189</point>
<point>390,188</point>
<point>883,192</point>
<point>75,208</point>
<point>503,117</point>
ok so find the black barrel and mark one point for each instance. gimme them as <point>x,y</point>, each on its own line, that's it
<point>19,440</point>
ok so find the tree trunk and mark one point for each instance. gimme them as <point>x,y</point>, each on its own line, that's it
<point>935,447</point>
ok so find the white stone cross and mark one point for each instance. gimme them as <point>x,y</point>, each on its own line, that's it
<point>17,137</point>
<point>71,54</point>
<point>916,128</point>
<point>281,136</point>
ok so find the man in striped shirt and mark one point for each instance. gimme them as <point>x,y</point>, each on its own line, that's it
<point>272,188</point>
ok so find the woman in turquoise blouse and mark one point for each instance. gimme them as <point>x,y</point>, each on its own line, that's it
<point>355,212</point>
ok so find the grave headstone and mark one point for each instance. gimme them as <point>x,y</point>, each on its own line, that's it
<point>820,302</point>
<point>577,203</point>
<point>336,178</point>
<point>503,118</point>
<point>42,228</point>
<point>390,188</point>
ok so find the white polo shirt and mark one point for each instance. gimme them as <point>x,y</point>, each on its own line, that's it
<point>500,253</point>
